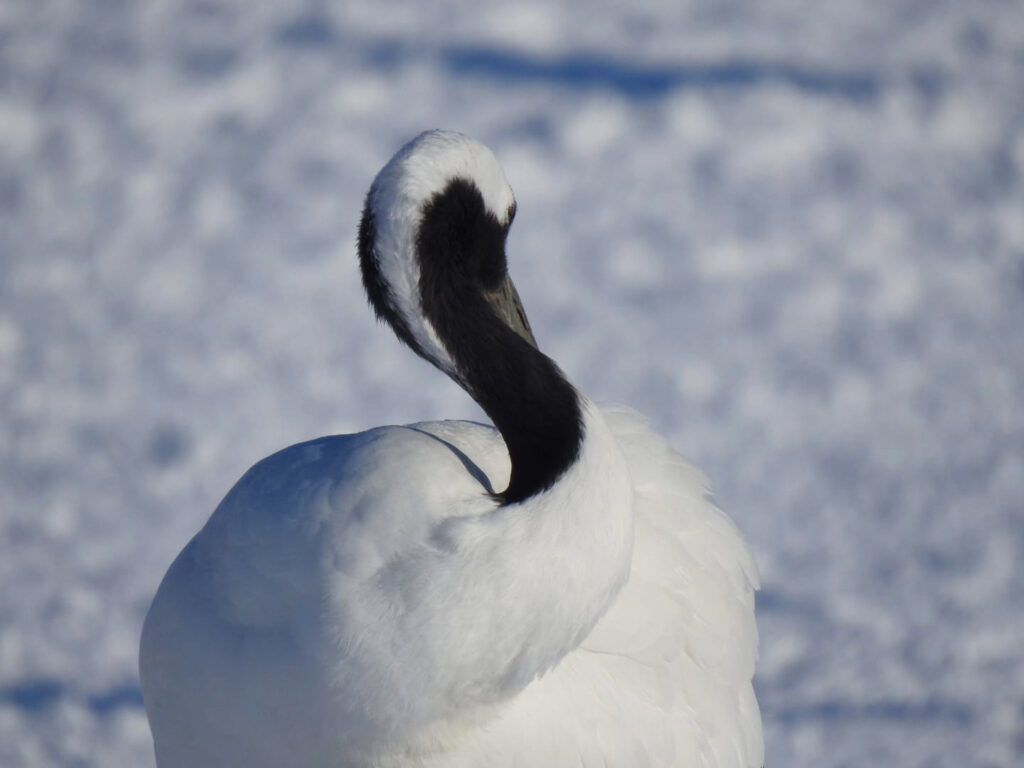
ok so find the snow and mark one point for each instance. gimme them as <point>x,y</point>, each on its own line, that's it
<point>789,232</point>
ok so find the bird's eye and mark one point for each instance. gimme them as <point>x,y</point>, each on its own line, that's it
<point>511,214</point>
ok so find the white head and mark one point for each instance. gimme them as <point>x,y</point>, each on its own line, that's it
<point>419,172</point>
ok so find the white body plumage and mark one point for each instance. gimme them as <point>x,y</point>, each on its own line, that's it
<point>370,600</point>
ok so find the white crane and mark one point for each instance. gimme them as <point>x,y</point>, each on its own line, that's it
<point>555,591</point>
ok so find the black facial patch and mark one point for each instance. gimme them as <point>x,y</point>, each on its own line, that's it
<point>458,228</point>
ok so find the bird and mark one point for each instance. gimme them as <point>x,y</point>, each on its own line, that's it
<point>558,589</point>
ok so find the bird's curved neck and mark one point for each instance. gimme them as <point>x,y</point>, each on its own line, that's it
<point>537,411</point>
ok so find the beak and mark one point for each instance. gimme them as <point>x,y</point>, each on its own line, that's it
<point>506,303</point>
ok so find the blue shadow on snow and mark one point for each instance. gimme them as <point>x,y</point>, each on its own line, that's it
<point>652,81</point>
<point>928,711</point>
<point>41,694</point>
<point>588,70</point>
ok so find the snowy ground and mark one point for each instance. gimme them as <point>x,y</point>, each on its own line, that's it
<point>792,232</point>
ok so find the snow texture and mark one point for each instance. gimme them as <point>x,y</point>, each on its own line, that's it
<point>790,232</point>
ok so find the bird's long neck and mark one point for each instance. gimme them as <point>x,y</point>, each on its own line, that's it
<point>537,411</point>
<point>535,408</point>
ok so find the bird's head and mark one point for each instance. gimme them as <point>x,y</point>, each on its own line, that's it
<point>432,244</point>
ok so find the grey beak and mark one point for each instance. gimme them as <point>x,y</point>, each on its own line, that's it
<point>508,306</point>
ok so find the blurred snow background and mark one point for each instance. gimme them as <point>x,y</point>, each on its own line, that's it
<point>791,232</point>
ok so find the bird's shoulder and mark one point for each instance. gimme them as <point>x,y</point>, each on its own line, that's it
<point>339,507</point>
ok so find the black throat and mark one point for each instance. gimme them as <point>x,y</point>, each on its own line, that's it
<point>461,251</point>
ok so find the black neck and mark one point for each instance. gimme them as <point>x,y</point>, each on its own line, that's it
<point>461,249</point>
<point>522,390</point>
